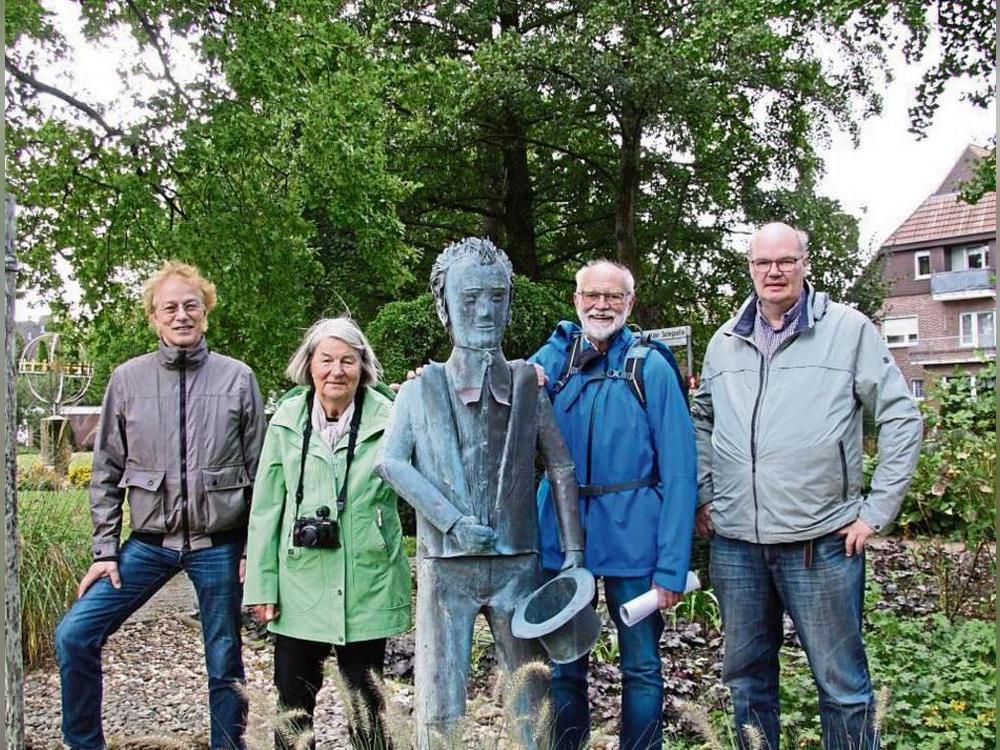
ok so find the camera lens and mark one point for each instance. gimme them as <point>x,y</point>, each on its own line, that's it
<point>307,536</point>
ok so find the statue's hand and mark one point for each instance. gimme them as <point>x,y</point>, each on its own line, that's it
<point>473,537</point>
<point>574,559</point>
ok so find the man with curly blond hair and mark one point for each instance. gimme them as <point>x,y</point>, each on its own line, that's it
<point>179,439</point>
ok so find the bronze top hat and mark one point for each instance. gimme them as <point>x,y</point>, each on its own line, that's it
<point>561,616</point>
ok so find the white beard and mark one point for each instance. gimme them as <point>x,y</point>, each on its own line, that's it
<point>602,330</point>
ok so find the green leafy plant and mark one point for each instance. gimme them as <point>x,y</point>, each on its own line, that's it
<point>55,553</point>
<point>38,478</point>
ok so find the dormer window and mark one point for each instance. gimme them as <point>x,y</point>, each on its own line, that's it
<point>922,265</point>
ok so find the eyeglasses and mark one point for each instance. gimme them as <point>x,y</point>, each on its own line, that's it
<point>613,298</point>
<point>762,265</point>
<point>192,308</point>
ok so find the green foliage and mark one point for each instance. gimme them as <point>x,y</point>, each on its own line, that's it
<point>953,485</point>
<point>38,478</point>
<point>407,334</point>
<point>942,677</point>
<point>55,553</point>
<point>702,606</point>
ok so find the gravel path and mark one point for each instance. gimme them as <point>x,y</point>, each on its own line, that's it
<point>155,685</point>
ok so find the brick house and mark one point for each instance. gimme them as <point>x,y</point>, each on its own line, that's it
<point>940,266</point>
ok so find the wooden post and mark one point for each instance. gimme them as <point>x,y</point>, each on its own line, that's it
<point>13,666</point>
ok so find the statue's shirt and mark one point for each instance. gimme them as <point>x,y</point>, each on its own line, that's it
<point>480,400</point>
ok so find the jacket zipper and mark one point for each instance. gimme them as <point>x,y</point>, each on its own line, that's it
<point>753,447</point>
<point>183,441</point>
<point>764,368</point>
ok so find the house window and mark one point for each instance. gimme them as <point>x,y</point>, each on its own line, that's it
<point>900,331</point>
<point>977,329</point>
<point>922,265</point>
<point>917,389</point>
<point>965,258</point>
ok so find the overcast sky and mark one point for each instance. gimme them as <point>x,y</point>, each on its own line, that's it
<point>881,181</point>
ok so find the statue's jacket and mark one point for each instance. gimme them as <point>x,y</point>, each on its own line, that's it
<point>423,429</point>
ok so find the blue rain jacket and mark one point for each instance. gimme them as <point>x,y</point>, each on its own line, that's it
<point>613,440</point>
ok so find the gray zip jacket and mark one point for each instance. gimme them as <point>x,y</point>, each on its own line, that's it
<point>779,442</point>
<point>179,437</point>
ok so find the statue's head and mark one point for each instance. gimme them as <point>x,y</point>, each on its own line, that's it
<point>471,282</point>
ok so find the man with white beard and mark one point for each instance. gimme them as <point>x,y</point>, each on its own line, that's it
<point>625,421</point>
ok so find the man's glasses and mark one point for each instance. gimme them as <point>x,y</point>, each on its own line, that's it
<point>613,298</point>
<point>762,265</point>
<point>192,308</point>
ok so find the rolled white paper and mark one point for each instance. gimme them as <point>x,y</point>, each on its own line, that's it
<point>636,610</point>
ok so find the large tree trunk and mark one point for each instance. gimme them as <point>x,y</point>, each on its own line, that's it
<point>517,194</point>
<point>518,199</point>
<point>627,200</point>
<point>13,667</point>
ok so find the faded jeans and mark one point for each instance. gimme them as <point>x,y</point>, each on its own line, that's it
<point>144,569</point>
<point>642,679</point>
<point>756,584</point>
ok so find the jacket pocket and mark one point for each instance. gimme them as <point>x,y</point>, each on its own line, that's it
<point>225,497</point>
<point>145,499</point>
<point>843,470</point>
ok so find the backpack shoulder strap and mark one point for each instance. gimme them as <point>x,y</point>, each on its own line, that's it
<point>570,366</point>
<point>636,359</point>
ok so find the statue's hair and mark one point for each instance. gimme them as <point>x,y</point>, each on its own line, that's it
<point>342,328</point>
<point>191,275</point>
<point>482,249</point>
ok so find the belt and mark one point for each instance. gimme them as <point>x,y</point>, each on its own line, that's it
<point>590,490</point>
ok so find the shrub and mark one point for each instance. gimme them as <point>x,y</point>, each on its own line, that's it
<point>79,476</point>
<point>37,478</point>
<point>55,553</point>
<point>952,489</point>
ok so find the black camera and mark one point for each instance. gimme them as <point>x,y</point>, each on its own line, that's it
<point>317,533</point>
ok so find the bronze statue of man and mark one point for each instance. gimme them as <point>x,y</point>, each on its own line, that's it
<point>461,450</point>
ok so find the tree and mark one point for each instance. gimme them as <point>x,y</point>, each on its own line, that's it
<point>967,34</point>
<point>269,172</point>
<point>648,130</point>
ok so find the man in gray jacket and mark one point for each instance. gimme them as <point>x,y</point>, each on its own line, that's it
<point>778,423</point>
<point>179,438</point>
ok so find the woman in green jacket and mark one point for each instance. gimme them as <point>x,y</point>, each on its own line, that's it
<point>325,564</point>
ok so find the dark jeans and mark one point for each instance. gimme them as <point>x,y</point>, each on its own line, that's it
<point>298,675</point>
<point>756,584</point>
<point>642,679</point>
<point>143,569</point>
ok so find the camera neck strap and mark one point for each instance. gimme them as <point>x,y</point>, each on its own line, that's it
<point>352,442</point>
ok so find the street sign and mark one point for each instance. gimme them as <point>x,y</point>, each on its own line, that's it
<point>676,336</point>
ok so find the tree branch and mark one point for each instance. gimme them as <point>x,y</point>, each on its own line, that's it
<point>44,88</point>
<point>154,39</point>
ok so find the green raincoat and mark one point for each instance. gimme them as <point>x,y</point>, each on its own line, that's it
<point>356,592</point>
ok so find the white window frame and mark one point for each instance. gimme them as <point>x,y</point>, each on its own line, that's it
<point>916,264</point>
<point>969,250</point>
<point>917,388</point>
<point>907,338</point>
<point>969,336</point>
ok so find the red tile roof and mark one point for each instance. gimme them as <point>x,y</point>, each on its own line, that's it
<point>944,217</point>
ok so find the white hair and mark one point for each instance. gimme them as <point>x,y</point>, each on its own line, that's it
<point>800,236</point>
<point>347,331</point>
<point>629,278</point>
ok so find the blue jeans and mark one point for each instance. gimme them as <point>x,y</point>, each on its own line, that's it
<point>144,569</point>
<point>642,679</point>
<point>755,584</point>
